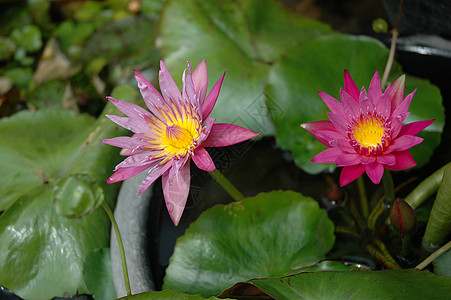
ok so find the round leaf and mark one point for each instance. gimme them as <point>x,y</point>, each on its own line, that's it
<point>266,235</point>
<point>241,38</point>
<point>97,274</point>
<point>77,195</point>
<point>295,80</point>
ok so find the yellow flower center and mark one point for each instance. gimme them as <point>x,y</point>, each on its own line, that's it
<point>177,131</point>
<point>369,135</point>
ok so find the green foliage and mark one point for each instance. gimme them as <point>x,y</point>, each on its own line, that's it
<point>97,274</point>
<point>166,295</point>
<point>392,284</point>
<point>262,236</point>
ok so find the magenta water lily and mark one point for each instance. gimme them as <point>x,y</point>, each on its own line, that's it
<point>366,132</point>
<point>176,130</point>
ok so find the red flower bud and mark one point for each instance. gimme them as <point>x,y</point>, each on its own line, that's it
<point>403,217</point>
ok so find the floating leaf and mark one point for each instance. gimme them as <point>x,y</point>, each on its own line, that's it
<point>266,235</point>
<point>45,252</point>
<point>393,284</point>
<point>97,274</point>
<point>295,80</point>
<point>166,295</point>
<point>241,38</point>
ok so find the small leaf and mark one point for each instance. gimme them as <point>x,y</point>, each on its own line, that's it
<point>392,284</point>
<point>97,274</point>
<point>266,235</point>
<point>77,195</point>
<point>29,37</point>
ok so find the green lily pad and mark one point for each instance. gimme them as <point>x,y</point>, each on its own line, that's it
<point>392,284</point>
<point>43,251</point>
<point>266,235</point>
<point>442,264</point>
<point>241,38</point>
<point>295,80</point>
<point>97,274</point>
<point>166,295</point>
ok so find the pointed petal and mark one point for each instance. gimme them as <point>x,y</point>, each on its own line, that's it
<point>396,89</point>
<point>200,80</point>
<point>348,159</point>
<point>383,106</point>
<point>154,173</point>
<point>340,124</point>
<point>351,107</point>
<point>387,159</point>
<point>350,173</point>
<point>350,86</point>
<point>210,102</point>
<point>169,89</point>
<point>125,142</point>
<point>404,161</point>
<point>135,125</point>
<point>188,91</point>
<point>415,127</point>
<point>130,109</point>
<point>317,126</point>
<point>403,108</point>
<point>227,134</point>
<point>375,171</point>
<point>203,160</point>
<point>374,91</point>
<point>176,192</point>
<point>143,158</point>
<point>364,160</point>
<point>125,173</point>
<point>404,142</point>
<point>150,94</point>
<point>327,156</point>
<point>333,104</point>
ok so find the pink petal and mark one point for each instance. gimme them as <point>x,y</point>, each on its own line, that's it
<point>200,80</point>
<point>135,125</point>
<point>154,173</point>
<point>327,156</point>
<point>188,92</point>
<point>403,108</point>
<point>351,173</point>
<point>375,171</point>
<point>415,127</point>
<point>130,109</point>
<point>396,89</point>
<point>340,124</point>
<point>387,159</point>
<point>150,94</point>
<point>364,160</point>
<point>366,105</point>
<point>404,142</point>
<point>348,159</point>
<point>203,160</point>
<point>350,86</point>
<point>125,142</point>
<point>210,102</point>
<point>143,158</point>
<point>328,136</point>
<point>333,104</point>
<point>383,105</point>
<point>374,91</point>
<point>176,192</point>
<point>169,89</point>
<point>227,134</point>
<point>125,173</point>
<point>396,126</point>
<point>404,161</point>
<point>343,144</point>
<point>351,107</point>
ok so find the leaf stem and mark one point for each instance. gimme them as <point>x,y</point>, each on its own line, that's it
<point>227,185</point>
<point>121,247</point>
<point>363,198</point>
<point>389,187</point>
<point>433,256</point>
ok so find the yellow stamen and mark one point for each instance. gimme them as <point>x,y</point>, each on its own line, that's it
<point>369,135</point>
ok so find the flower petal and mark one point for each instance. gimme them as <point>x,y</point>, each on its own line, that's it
<point>396,89</point>
<point>340,124</point>
<point>415,127</point>
<point>222,135</point>
<point>348,159</point>
<point>133,161</point>
<point>316,126</point>
<point>176,192</point>
<point>327,156</point>
<point>169,89</point>
<point>374,91</point>
<point>375,171</point>
<point>403,108</point>
<point>351,107</point>
<point>203,160</point>
<point>200,80</point>
<point>333,104</point>
<point>125,173</point>
<point>150,94</point>
<point>404,142</point>
<point>350,86</point>
<point>387,159</point>
<point>154,173</point>
<point>125,142</point>
<point>188,92</point>
<point>404,161</point>
<point>210,102</point>
<point>133,124</point>
<point>350,173</point>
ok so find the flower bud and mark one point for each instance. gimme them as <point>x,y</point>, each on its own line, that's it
<point>335,194</point>
<point>403,217</point>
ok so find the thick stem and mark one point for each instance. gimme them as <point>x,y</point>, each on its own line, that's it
<point>433,256</point>
<point>227,185</point>
<point>389,187</point>
<point>391,57</point>
<point>363,198</point>
<point>121,247</point>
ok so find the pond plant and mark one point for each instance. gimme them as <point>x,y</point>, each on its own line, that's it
<point>365,213</point>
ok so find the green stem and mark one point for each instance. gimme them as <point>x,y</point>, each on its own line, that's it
<point>363,198</point>
<point>389,187</point>
<point>121,247</point>
<point>433,256</point>
<point>405,246</point>
<point>227,185</point>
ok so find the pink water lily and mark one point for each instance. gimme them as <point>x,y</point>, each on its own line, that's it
<point>176,130</point>
<point>366,132</point>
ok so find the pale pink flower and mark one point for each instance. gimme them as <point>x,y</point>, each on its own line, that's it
<point>176,130</point>
<point>366,132</point>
